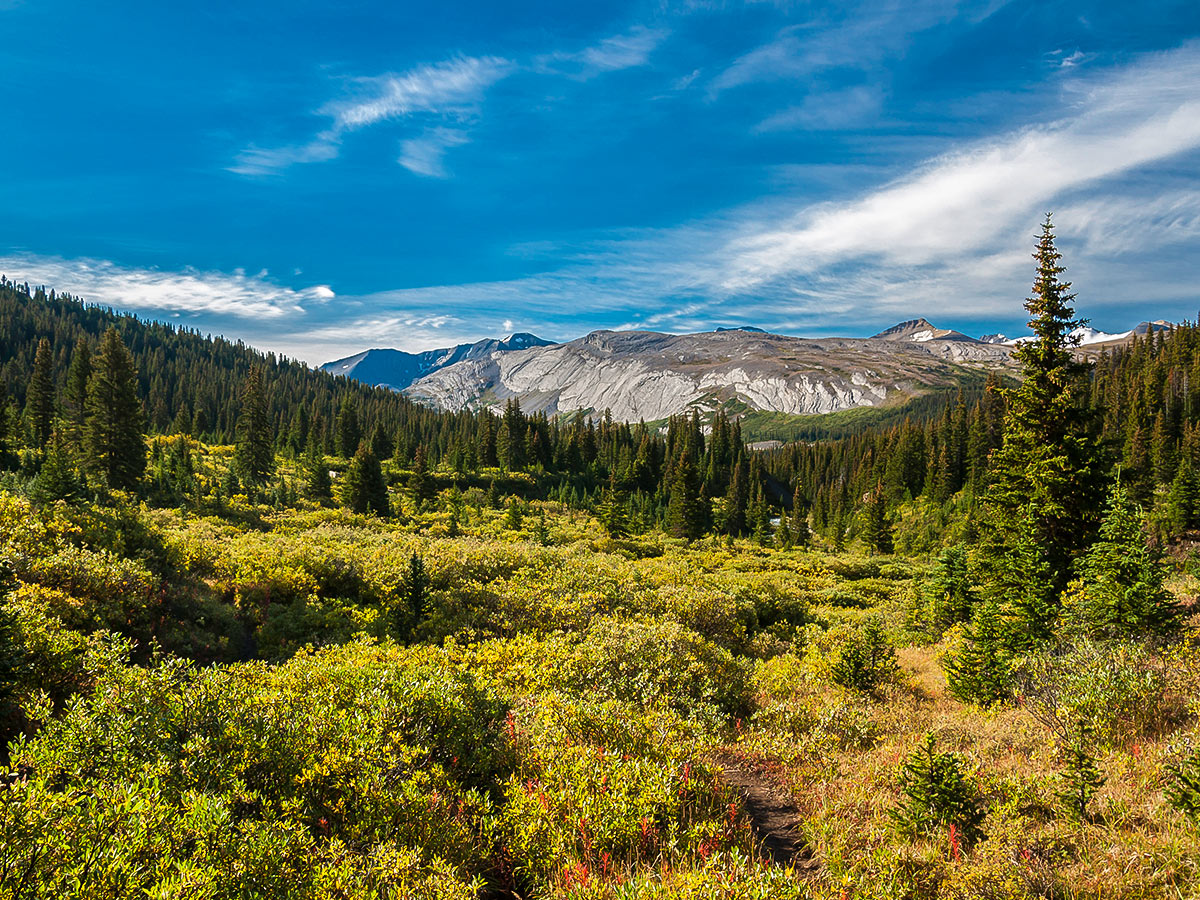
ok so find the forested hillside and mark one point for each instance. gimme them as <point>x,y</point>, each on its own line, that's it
<point>267,633</point>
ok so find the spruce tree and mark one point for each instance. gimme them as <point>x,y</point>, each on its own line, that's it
<point>39,396</point>
<point>420,484</point>
<point>612,512</point>
<point>684,516</point>
<point>513,517</point>
<point>981,670</point>
<point>1120,591</point>
<point>937,794</point>
<point>1183,500</point>
<point>1081,779</point>
<point>416,591</point>
<point>317,483</point>
<point>801,533</point>
<point>949,592</point>
<point>58,478</point>
<point>381,442</point>
<point>254,454</point>
<point>77,388</point>
<point>363,487</point>
<point>877,529</point>
<point>347,429</point>
<point>1049,465</point>
<point>115,448</point>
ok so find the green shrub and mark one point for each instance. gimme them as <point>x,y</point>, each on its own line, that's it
<point>1117,689</point>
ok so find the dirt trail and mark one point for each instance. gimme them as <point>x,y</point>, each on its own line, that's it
<point>773,816</point>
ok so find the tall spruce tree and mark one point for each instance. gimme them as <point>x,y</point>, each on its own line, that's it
<point>254,455</point>
<point>317,483</point>
<point>114,446</point>
<point>684,516</point>
<point>347,429</point>
<point>77,387</point>
<point>39,396</point>
<point>1047,478</point>
<point>363,487</point>
<point>877,528</point>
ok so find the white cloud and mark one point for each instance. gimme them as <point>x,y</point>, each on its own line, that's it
<point>865,36</point>
<point>977,198</point>
<point>824,111</point>
<point>215,293</point>
<point>425,155</point>
<point>451,90</point>
<point>455,86</point>
<point>621,51</point>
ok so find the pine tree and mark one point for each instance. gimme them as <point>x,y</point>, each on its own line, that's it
<point>801,533</point>
<point>1049,464</point>
<point>39,396</point>
<point>317,483</point>
<point>950,592</point>
<point>1120,590</point>
<point>1082,779</point>
<point>877,529</point>
<point>349,433</point>
<point>114,445</point>
<point>363,487</point>
<point>981,671</point>
<point>254,455</point>
<point>58,478</point>
<point>684,516</point>
<point>77,388</point>
<point>420,484</point>
<point>937,794</point>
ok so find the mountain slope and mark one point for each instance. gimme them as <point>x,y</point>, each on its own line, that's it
<point>647,375</point>
<point>397,369</point>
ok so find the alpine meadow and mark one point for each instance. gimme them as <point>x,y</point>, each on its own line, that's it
<point>646,602</point>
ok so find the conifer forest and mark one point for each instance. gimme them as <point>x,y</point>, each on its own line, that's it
<point>270,632</point>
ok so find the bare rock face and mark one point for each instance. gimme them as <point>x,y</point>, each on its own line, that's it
<point>640,375</point>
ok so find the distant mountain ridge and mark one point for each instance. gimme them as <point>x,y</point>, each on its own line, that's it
<point>397,369</point>
<point>645,375</point>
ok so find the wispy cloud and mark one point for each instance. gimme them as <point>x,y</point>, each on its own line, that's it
<point>450,91</point>
<point>968,200</point>
<point>827,111</point>
<point>866,35</point>
<point>235,294</point>
<point>452,87</point>
<point>425,155</point>
<point>621,51</point>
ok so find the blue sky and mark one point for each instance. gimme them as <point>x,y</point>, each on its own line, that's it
<point>319,178</point>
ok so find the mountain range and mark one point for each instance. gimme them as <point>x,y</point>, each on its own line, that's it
<point>645,375</point>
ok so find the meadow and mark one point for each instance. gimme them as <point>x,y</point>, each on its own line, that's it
<point>493,696</point>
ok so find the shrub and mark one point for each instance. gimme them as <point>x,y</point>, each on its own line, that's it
<point>1117,689</point>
